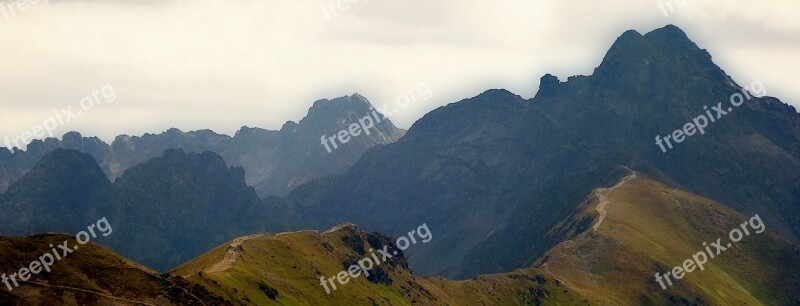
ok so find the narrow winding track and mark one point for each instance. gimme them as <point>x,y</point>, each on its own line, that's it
<point>232,255</point>
<point>88,291</point>
<point>601,193</point>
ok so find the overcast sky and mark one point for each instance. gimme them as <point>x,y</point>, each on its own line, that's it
<point>224,64</point>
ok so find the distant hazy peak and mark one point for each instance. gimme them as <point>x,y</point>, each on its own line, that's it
<point>669,32</point>
<point>337,105</point>
<point>326,114</point>
<point>67,162</point>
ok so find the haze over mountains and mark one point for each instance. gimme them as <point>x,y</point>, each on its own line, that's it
<point>504,183</point>
<point>276,161</point>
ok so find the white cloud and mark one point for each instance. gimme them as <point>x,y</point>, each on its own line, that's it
<point>223,64</point>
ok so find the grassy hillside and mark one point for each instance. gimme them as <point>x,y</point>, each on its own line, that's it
<point>285,269</point>
<point>91,275</point>
<point>647,227</point>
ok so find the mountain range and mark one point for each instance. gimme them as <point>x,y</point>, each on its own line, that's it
<point>276,161</point>
<point>495,174</point>
<point>565,198</point>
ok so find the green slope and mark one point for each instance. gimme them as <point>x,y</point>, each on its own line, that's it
<point>291,264</point>
<point>649,227</point>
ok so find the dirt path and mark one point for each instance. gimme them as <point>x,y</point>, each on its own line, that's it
<point>601,193</point>
<point>232,254</point>
<point>88,291</point>
<point>296,232</point>
<point>547,268</point>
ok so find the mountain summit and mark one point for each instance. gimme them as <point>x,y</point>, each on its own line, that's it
<point>663,57</point>
<point>497,173</point>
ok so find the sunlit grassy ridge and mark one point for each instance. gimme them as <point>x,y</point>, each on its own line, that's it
<point>291,264</point>
<point>652,227</point>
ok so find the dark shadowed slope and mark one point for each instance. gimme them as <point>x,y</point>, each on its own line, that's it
<point>164,211</point>
<point>495,174</point>
<point>55,196</point>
